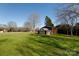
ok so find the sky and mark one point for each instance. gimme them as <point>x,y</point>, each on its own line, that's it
<point>19,13</point>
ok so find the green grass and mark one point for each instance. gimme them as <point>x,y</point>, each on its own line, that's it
<point>29,44</point>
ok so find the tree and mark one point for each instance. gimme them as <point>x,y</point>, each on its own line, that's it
<point>62,28</point>
<point>33,21</point>
<point>3,26</point>
<point>77,28</point>
<point>48,22</point>
<point>12,26</point>
<point>63,18</point>
<point>69,15</point>
<point>27,25</point>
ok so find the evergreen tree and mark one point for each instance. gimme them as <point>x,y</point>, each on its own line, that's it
<point>48,22</point>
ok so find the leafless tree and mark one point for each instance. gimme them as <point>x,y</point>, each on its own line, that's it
<point>69,15</point>
<point>27,25</point>
<point>12,26</point>
<point>32,21</point>
<point>63,18</point>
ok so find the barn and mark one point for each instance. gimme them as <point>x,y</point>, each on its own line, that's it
<point>47,30</point>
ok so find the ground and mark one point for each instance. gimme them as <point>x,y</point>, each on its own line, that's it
<point>30,44</point>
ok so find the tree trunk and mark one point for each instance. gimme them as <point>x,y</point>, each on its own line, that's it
<point>67,31</point>
<point>76,32</point>
<point>76,27</point>
<point>71,30</point>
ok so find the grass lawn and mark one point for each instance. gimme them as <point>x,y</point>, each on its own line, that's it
<point>29,44</point>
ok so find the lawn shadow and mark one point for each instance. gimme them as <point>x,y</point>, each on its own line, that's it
<point>3,41</point>
<point>26,50</point>
<point>21,51</point>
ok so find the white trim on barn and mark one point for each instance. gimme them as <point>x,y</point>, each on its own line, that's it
<point>45,29</point>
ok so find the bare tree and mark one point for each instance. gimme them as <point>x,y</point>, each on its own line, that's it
<point>27,25</point>
<point>63,18</point>
<point>69,15</point>
<point>74,15</point>
<point>12,26</point>
<point>32,21</point>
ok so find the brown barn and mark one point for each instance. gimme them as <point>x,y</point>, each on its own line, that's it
<point>54,30</point>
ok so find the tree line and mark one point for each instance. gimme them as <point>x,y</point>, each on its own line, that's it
<point>29,25</point>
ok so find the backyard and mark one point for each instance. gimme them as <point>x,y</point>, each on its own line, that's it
<point>30,44</point>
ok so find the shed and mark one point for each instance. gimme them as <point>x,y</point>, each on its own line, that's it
<point>47,30</point>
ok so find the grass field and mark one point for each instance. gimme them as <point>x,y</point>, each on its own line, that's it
<point>29,44</point>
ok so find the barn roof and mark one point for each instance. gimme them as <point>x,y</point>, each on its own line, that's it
<point>48,27</point>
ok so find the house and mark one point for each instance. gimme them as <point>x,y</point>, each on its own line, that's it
<point>47,30</point>
<point>2,30</point>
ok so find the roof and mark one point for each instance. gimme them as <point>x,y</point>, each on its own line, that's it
<point>48,27</point>
<point>45,29</point>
